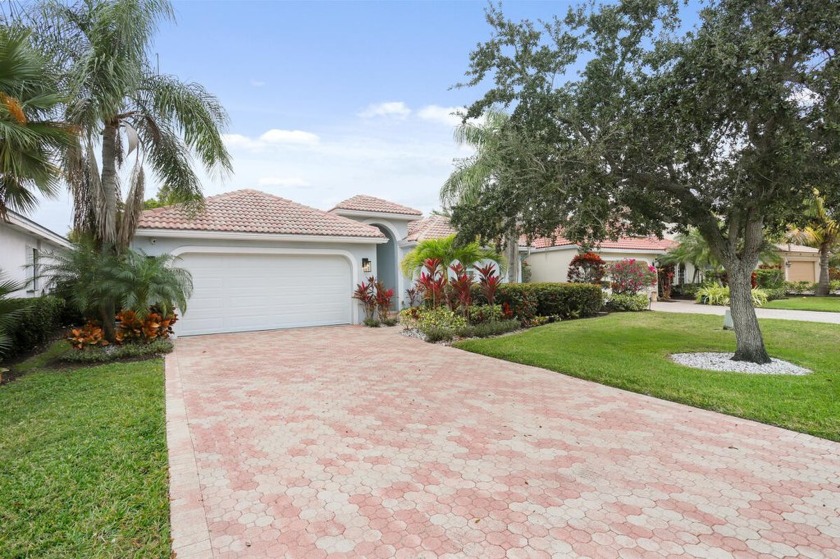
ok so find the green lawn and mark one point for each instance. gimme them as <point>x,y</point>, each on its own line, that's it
<point>83,464</point>
<point>825,304</point>
<point>630,351</point>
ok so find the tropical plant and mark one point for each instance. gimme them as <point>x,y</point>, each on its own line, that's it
<point>98,282</point>
<point>144,282</point>
<point>489,281</point>
<point>448,252</point>
<point>10,309</point>
<point>384,299</point>
<point>629,276</point>
<point>145,328</point>
<point>432,282</point>
<point>821,232</point>
<point>719,295</point>
<point>132,114</point>
<point>481,171</point>
<point>587,267</point>
<point>29,138</point>
<point>365,293</point>
<point>461,286</point>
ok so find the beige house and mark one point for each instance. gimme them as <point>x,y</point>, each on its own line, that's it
<point>549,259</point>
<point>800,263</point>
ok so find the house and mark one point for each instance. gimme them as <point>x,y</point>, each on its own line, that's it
<point>22,242</point>
<point>800,263</point>
<point>549,259</point>
<point>262,262</point>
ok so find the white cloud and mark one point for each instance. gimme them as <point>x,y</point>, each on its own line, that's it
<point>450,116</point>
<point>273,137</point>
<point>277,136</point>
<point>395,109</point>
<point>285,182</point>
<point>257,83</point>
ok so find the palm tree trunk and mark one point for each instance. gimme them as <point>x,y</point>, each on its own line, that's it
<point>749,341</point>
<point>824,285</point>
<point>106,215</point>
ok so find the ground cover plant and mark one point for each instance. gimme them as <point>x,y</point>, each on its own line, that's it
<point>631,352</point>
<point>84,463</point>
<point>823,304</point>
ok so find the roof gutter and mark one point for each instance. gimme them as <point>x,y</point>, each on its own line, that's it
<point>239,236</point>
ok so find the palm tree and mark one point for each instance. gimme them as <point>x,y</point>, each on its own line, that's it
<point>29,140</point>
<point>129,112</point>
<point>823,233</point>
<point>448,252</point>
<point>479,171</point>
<point>145,281</point>
<point>9,311</point>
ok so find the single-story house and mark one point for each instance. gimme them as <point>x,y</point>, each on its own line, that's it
<point>262,262</point>
<point>22,242</point>
<point>549,259</point>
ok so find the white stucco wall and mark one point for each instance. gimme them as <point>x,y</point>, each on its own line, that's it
<point>154,246</point>
<point>15,247</point>
<point>552,265</point>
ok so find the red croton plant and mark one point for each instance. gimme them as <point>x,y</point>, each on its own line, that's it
<point>130,328</point>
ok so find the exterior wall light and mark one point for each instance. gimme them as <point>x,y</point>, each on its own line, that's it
<point>366,265</point>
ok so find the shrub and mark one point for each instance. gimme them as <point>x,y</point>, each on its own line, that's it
<point>799,287</point>
<point>834,285</point>
<point>620,302</point>
<point>89,335</point>
<point>487,329</point>
<point>431,282</point>
<point>489,282</point>
<point>565,300</point>
<point>391,321</point>
<point>686,290</point>
<point>630,276</point>
<point>769,277</point>
<point>774,293</point>
<point>100,354</point>
<point>35,321</point>
<point>371,322</point>
<point>586,268</point>
<point>384,298</point>
<point>460,286</point>
<point>479,314</point>
<point>131,327</point>
<point>719,295</point>
<point>439,324</point>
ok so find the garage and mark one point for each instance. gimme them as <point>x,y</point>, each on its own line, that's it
<point>262,262</point>
<point>245,292</point>
<point>801,271</point>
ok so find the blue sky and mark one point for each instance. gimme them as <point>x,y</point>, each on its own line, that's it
<point>329,99</point>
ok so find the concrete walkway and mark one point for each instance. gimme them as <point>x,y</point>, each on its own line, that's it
<point>357,442</point>
<point>694,308</point>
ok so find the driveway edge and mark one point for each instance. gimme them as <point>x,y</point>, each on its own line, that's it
<point>187,516</point>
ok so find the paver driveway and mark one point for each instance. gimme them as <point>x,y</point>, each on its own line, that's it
<point>354,442</point>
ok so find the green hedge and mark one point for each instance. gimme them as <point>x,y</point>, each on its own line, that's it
<point>565,300</point>
<point>115,353</point>
<point>39,319</point>
<point>628,303</point>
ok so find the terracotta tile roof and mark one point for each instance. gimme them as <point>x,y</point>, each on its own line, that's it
<point>625,243</point>
<point>252,211</point>
<point>432,227</point>
<point>363,203</point>
<point>784,247</point>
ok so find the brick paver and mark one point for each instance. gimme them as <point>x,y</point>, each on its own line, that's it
<point>356,442</point>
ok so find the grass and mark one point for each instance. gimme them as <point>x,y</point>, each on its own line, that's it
<point>630,351</point>
<point>823,304</point>
<point>83,463</point>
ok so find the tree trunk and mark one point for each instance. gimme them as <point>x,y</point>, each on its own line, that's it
<point>824,285</point>
<point>106,217</point>
<point>512,249</point>
<point>749,341</point>
<point>109,327</point>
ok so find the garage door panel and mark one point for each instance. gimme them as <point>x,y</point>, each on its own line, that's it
<point>242,292</point>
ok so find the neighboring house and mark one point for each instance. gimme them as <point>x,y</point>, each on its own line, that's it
<point>800,263</point>
<point>549,259</point>
<point>262,262</point>
<point>22,243</point>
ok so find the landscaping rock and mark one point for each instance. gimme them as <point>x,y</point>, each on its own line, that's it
<point>723,362</point>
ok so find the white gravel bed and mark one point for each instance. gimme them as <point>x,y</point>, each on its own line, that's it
<point>723,362</point>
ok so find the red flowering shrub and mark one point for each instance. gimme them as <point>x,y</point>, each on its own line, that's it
<point>630,276</point>
<point>586,268</point>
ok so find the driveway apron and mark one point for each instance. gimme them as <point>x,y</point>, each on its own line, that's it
<point>358,442</point>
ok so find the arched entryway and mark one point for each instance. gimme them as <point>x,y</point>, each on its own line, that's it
<point>386,262</point>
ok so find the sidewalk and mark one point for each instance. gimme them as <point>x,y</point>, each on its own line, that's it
<point>694,308</point>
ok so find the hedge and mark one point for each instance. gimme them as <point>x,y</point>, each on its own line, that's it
<point>564,300</point>
<point>38,320</point>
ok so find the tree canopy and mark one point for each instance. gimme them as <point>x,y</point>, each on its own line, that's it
<point>631,122</point>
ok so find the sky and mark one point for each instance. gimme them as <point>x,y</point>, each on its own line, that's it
<point>329,99</point>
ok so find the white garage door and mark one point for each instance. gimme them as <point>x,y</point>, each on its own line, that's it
<point>243,292</point>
